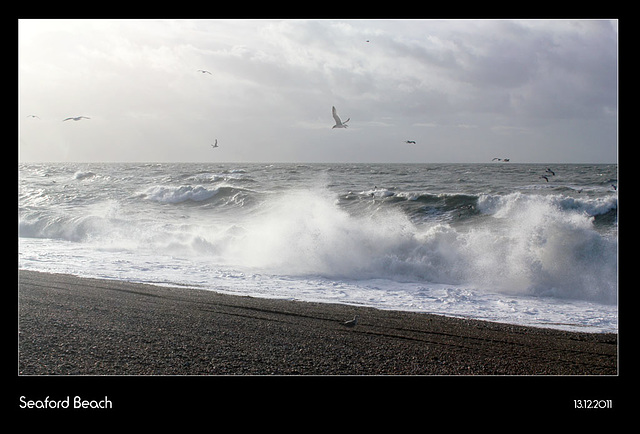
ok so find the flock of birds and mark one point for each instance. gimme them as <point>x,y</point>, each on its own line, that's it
<point>338,121</point>
<point>334,113</point>
<point>72,118</point>
<point>550,172</point>
<point>338,124</point>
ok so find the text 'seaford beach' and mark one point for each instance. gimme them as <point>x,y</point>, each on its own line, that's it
<point>77,402</point>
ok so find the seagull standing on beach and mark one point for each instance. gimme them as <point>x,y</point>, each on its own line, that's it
<point>76,118</point>
<point>339,123</point>
<point>351,323</point>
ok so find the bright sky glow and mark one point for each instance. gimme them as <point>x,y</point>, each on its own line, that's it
<point>463,90</point>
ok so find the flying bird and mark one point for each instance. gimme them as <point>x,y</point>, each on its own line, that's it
<point>550,171</point>
<point>496,158</point>
<point>339,123</point>
<point>204,71</point>
<point>33,116</point>
<point>215,145</point>
<point>411,142</point>
<point>76,118</point>
<point>546,179</point>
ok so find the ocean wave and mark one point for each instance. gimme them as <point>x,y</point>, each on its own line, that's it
<point>233,176</point>
<point>538,251</point>
<point>63,227</point>
<point>179,194</point>
<point>502,205</point>
<point>220,196</point>
<point>544,245</point>
<point>420,237</point>
<point>83,174</point>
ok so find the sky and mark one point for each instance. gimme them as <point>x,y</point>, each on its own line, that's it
<point>464,90</point>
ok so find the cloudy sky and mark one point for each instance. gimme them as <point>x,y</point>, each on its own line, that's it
<point>464,90</point>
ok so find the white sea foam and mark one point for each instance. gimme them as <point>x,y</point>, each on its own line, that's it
<point>177,194</point>
<point>83,174</point>
<point>534,259</point>
<point>529,249</point>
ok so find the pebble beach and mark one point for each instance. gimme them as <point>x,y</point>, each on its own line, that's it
<point>78,326</point>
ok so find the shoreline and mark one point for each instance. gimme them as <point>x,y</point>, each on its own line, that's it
<point>69,325</point>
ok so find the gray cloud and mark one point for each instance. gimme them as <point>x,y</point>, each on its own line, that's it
<point>463,89</point>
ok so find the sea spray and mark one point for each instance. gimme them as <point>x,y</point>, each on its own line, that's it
<point>534,246</point>
<point>392,236</point>
<point>529,245</point>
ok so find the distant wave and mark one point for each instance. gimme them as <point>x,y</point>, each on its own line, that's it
<point>83,174</point>
<point>168,194</point>
<point>178,194</point>
<point>501,204</point>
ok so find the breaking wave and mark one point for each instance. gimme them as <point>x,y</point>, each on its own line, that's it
<point>516,243</point>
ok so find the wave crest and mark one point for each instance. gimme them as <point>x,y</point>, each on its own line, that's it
<point>534,248</point>
<point>179,194</point>
<point>527,245</point>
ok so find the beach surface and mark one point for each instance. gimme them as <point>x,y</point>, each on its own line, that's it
<point>78,326</point>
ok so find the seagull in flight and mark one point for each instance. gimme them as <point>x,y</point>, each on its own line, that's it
<point>204,71</point>
<point>215,145</point>
<point>545,178</point>
<point>339,123</point>
<point>33,116</point>
<point>411,142</point>
<point>76,118</point>
<point>550,171</point>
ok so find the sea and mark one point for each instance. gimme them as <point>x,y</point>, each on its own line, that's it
<point>494,241</point>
